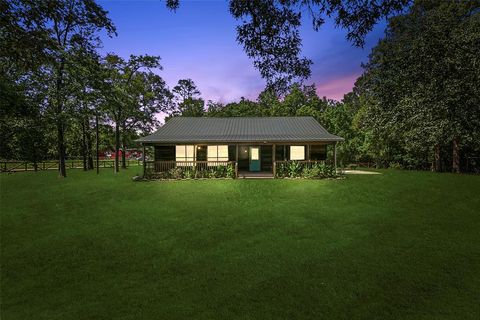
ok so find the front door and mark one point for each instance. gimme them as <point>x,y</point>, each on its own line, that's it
<point>255,159</point>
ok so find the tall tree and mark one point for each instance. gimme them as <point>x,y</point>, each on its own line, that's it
<point>64,26</point>
<point>422,81</point>
<point>121,99</point>
<point>149,96</point>
<point>185,89</point>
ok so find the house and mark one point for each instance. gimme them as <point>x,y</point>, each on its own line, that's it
<point>251,144</point>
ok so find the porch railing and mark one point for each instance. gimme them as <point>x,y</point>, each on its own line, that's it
<point>199,166</point>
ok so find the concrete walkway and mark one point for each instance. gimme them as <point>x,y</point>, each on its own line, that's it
<point>360,172</point>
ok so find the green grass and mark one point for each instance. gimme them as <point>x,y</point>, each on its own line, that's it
<point>401,245</point>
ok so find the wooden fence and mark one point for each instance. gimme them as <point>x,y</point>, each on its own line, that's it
<point>17,166</point>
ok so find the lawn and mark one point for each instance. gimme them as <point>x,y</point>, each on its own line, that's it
<point>401,245</point>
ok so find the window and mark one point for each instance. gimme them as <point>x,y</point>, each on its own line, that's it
<point>281,153</point>
<point>318,152</point>
<point>297,152</point>
<point>217,153</point>
<point>184,153</point>
<point>254,154</point>
<point>164,153</point>
<point>232,152</point>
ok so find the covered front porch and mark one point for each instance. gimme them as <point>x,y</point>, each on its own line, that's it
<point>244,159</point>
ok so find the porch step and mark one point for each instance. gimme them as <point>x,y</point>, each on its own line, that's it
<point>255,175</point>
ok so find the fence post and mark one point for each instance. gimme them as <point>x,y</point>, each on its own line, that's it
<point>236,169</point>
<point>26,164</point>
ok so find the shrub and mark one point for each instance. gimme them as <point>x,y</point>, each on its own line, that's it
<point>395,165</point>
<point>318,171</point>
<point>201,174</point>
<point>212,173</point>
<point>175,173</point>
<point>230,172</point>
<point>311,173</point>
<point>294,169</point>
<point>281,170</point>
<point>190,174</point>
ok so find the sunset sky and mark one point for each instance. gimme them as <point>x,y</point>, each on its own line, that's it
<point>199,42</point>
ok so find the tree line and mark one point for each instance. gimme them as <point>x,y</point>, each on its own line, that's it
<point>59,95</point>
<point>416,105</point>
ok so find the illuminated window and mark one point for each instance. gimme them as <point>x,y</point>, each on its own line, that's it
<point>254,154</point>
<point>184,153</point>
<point>297,152</point>
<point>217,153</point>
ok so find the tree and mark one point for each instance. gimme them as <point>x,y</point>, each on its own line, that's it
<point>421,82</point>
<point>187,101</point>
<point>185,89</point>
<point>191,107</point>
<point>122,99</point>
<point>149,96</point>
<point>62,26</point>
<point>269,30</point>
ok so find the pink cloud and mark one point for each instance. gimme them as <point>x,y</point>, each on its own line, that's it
<point>336,88</point>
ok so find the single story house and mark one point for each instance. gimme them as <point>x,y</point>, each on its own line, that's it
<point>251,144</point>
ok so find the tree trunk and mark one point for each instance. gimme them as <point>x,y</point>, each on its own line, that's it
<point>35,161</point>
<point>84,146</point>
<point>88,135</point>
<point>97,142</point>
<point>90,153</point>
<point>124,162</point>
<point>437,164</point>
<point>61,150</point>
<point>60,122</point>
<point>456,155</point>
<point>117,145</point>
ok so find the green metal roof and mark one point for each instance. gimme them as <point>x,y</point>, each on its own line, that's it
<point>240,129</point>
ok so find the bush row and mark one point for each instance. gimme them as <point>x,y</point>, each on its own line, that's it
<point>307,171</point>
<point>227,171</point>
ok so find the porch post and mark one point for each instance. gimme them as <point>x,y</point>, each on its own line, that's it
<point>273,161</point>
<point>335,156</point>
<point>143,156</point>
<point>236,161</point>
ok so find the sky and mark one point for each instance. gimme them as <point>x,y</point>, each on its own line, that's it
<point>198,41</point>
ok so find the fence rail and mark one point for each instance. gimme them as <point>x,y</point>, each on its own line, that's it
<point>18,166</point>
